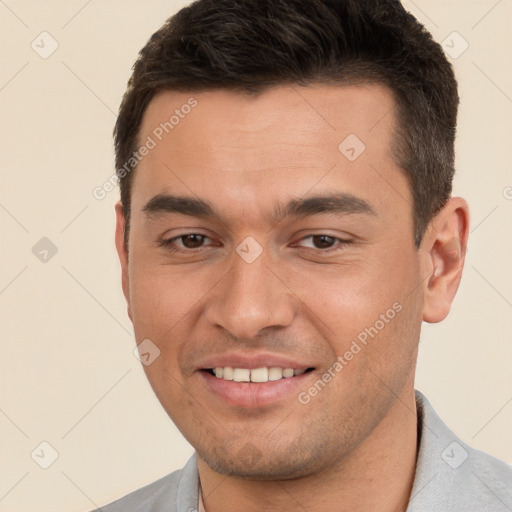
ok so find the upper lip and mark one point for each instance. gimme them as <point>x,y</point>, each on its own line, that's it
<point>252,361</point>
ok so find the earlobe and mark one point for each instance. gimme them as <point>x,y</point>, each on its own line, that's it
<point>122,252</point>
<point>444,250</point>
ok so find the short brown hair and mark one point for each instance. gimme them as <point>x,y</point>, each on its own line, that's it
<point>249,46</point>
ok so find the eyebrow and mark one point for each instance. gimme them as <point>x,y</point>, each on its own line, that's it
<point>340,203</point>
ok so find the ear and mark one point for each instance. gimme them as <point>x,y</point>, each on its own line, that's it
<point>443,252</point>
<point>122,252</point>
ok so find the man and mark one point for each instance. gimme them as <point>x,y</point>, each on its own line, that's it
<point>285,226</point>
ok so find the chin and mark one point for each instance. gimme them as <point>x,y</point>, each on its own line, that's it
<point>249,463</point>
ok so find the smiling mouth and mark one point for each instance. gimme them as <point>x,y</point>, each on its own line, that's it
<point>264,374</point>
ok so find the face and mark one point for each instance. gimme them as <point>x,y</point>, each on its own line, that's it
<point>264,235</point>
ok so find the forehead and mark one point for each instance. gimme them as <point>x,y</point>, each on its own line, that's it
<point>305,113</point>
<point>249,149</point>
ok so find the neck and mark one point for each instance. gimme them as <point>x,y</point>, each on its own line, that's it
<point>377,476</point>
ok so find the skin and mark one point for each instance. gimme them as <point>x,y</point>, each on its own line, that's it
<point>353,446</point>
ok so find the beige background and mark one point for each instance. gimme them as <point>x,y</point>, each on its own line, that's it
<point>68,375</point>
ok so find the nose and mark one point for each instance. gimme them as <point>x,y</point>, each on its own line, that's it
<point>250,298</point>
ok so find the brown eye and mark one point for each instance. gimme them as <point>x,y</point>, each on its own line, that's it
<point>185,243</point>
<point>192,241</point>
<point>323,241</point>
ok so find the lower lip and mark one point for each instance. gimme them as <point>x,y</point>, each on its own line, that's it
<point>252,395</point>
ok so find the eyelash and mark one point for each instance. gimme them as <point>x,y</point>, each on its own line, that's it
<point>168,244</point>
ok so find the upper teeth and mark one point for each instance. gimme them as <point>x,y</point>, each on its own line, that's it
<point>254,375</point>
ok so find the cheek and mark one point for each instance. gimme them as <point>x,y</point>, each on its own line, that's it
<point>378,301</point>
<point>347,303</point>
<point>171,392</point>
<point>159,299</point>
